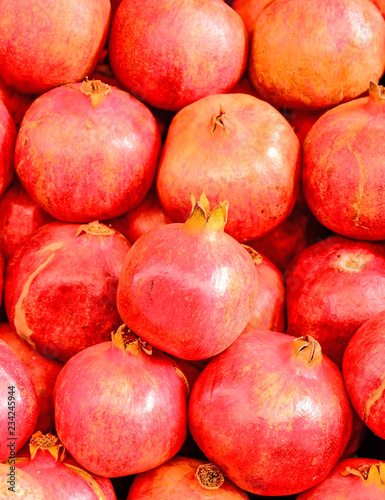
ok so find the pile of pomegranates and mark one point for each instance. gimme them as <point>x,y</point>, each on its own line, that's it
<point>192,249</point>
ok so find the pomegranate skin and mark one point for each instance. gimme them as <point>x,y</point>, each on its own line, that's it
<point>25,488</point>
<point>380,4</point>
<point>316,55</point>
<point>249,11</point>
<point>2,268</point>
<point>274,422</point>
<point>16,103</point>
<point>75,32</point>
<point>18,407</point>
<point>234,147</point>
<point>60,290</point>
<point>342,172</point>
<point>65,166</point>
<point>192,49</point>
<point>7,147</point>
<point>364,373</point>
<point>332,288</point>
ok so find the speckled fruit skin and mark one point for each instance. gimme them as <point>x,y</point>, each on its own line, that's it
<point>43,45</point>
<point>342,172</point>
<point>172,53</point>
<point>175,480</point>
<point>249,11</point>
<point>119,414</point>
<point>83,164</point>
<point>188,292</point>
<point>271,422</point>
<point>7,147</point>
<point>364,372</point>
<point>26,486</point>
<point>16,102</point>
<point>60,288</point>
<point>350,487</point>
<point>316,55</point>
<point>236,148</point>
<point>21,402</point>
<point>2,269</point>
<point>332,288</point>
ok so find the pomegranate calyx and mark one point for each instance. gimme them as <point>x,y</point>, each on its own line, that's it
<point>49,442</point>
<point>201,218</point>
<point>95,228</point>
<point>89,479</point>
<point>209,476</point>
<point>96,89</point>
<point>307,349</point>
<point>370,474</point>
<point>257,257</point>
<point>219,120</point>
<point>127,341</point>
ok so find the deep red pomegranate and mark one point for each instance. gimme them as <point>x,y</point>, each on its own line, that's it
<point>18,405</point>
<point>380,4</point>
<point>16,102</point>
<point>332,288</point>
<point>7,146</point>
<point>186,478</point>
<point>44,372</point>
<point>18,485</point>
<point>302,121</point>
<point>188,289</point>
<point>249,11</point>
<point>100,148</point>
<point>170,54</point>
<point>60,287</point>
<point>357,436</point>
<point>345,143</point>
<point>314,55</point>
<point>120,407</point>
<point>2,268</point>
<point>364,372</point>
<point>20,217</point>
<point>351,479</point>
<point>237,148</point>
<point>43,45</point>
<point>271,412</point>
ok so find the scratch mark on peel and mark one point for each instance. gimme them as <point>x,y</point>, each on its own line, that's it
<point>52,247</point>
<point>377,394</point>
<point>358,202</point>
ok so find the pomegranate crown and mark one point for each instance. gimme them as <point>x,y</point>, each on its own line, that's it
<point>201,218</point>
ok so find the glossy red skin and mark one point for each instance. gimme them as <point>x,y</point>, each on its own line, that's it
<point>2,268</point>
<point>146,216</point>
<point>26,487</point>
<point>253,163</point>
<point>74,31</point>
<point>249,11</point>
<point>204,275</point>
<point>359,431</point>
<point>312,55</point>
<point>20,217</point>
<point>349,487</point>
<point>111,435</point>
<point>16,102</point>
<point>364,372</point>
<point>302,121</point>
<point>273,424</point>
<point>44,372</point>
<point>60,289</point>
<point>329,300</point>
<point>24,410</point>
<point>160,51</point>
<point>66,167</point>
<point>175,480</point>
<point>380,4</point>
<point>342,171</point>
<point>7,147</point>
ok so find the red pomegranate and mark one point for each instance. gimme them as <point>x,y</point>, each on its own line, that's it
<point>380,4</point>
<point>184,478</point>
<point>302,121</point>
<point>271,412</point>
<point>170,54</point>
<point>100,148</point>
<point>2,268</point>
<point>43,371</point>
<point>60,289</point>
<point>346,143</point>
<point>351,479</point>
<point>19,485</point>
<point>20,217</point>
<point>18,405</point>
<point>16,102</point>
<point>357,436</point>
<point>7,146</point>
<point>314,55</point>
<point>249,11</point>
<point>108,432</point>
<point>332,288</point>
<point>45,45</point>
<point>188,289</point>
<point>364,372</point>
<point>234,147</point>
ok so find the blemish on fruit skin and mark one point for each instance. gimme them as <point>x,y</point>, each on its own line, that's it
<point>376,395</point>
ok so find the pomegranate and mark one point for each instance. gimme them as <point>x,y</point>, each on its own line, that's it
<point>249,11</point>
<point>357,436</point>
<point>364,372</point>
<point>271,412</point>
<point>234,147</point>
<point>170,54</point>
<point>60,287</point>
<point>345,143</point>
<point>16,102</point>
<point>18,404</point>
<point>197,270</point>
<point>107,432</point>
<point>7,145</point>
<point>301,120</point>
<point>43,371</point>
<point>351,479</point>
<point>20,217</point>
<point>19,485</point>
<point>186,478</point>
<point>2,267</point>
<point>380,4</point>
<point>110,128</point>
<point>314,55</point>
<point>45,45</point>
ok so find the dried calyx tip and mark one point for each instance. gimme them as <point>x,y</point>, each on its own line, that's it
<point>370,473</point>
<point>126,340</point>
<point>200,216</point>
<point>209,476</point>
<point>95,228</point>
<point>50,442</point>
<point>308,349</point>
<point>96,90</point>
